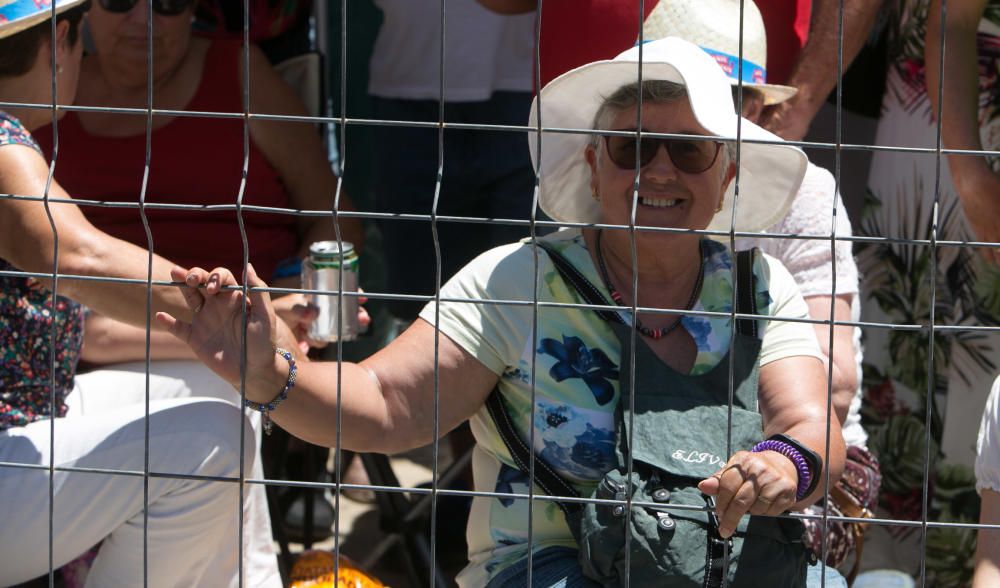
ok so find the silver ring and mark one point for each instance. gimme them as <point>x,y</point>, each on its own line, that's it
<point>199,307</point>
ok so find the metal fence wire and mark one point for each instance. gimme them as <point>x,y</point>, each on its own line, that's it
<point>929,329</point>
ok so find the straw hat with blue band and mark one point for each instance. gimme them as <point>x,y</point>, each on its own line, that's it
<point>18,15</point>
<point>770,172</point>
<point>714,25</point>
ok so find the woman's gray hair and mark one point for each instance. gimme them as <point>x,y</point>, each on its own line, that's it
<point>653,92</point>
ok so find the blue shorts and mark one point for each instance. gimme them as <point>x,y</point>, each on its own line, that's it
<point>552,567</point>
<point>557,567</point>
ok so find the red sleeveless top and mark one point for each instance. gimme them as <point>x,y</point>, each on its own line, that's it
<point>194,160</point>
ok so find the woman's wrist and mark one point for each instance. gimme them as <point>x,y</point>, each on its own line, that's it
<point>262,385</point>
<point>266,407</point>
<point>808,464</point>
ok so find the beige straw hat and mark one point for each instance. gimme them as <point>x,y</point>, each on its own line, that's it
<point>18,15</point>
<point>770,173</point>
<point>714,25</point>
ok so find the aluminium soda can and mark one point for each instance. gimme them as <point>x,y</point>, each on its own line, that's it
<point>322,271</point>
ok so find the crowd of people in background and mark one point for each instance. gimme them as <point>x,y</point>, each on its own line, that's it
<point>862,252</point>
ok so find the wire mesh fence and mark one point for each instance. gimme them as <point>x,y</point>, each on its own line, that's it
<point>939,314</point>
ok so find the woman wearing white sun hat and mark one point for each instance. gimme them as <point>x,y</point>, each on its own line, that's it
<point>825,274</point>
<point>561,373</point>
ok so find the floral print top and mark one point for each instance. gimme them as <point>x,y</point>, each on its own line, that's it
<point>12,132</point>
<point>576,361</point>
<point>27,339</point>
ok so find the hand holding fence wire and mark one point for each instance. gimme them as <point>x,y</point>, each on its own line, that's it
<point>215,334</point>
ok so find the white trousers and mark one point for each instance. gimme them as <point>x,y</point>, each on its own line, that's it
<point>192,532</point>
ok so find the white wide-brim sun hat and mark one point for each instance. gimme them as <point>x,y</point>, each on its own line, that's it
<point>18,15</point>
<point>769,175</point>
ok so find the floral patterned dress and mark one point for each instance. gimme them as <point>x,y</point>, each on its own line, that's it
<point>40,335</point>
<point>899,412</point>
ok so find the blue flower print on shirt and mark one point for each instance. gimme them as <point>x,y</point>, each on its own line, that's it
<point>506,478</point>
<point>589,457</point>
<point>519,373</point>
<point>716,257</point>
<point>568,441</point>
<point>593,366</point>
<point>700,329</point>
<point>559,424</point>
<point>594,448</point>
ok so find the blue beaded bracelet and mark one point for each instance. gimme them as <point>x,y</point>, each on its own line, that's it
<point>801,465</point>
<point>265,409</point>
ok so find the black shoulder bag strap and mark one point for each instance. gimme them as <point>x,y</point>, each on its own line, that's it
<point>548,480</point>
<point>545,477</point>
<point>716,558</point>
<point>746,294</point>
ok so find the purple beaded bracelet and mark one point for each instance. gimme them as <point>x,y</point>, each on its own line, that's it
<point>265,409</point>
<point>789,451</point>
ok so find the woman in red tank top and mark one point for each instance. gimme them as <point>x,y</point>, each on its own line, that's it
<point>193,161</point>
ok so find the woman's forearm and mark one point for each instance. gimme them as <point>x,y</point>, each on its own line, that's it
<point>107,340</point>
<point>793,402</point>
<point>28,241</point>
<point>976,184</point>
<point>959,112</point>
<point>311,410</point>
<point>815,73</point>
<point>387,403</point>
<point>816,70</point>
<point>845,368</point>
<point>85,251</point>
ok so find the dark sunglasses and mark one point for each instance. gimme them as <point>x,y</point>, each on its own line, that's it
<point>161,7</point>
<point>691,157</point>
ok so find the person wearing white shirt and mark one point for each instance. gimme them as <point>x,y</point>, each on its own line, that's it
<point>487,79</point>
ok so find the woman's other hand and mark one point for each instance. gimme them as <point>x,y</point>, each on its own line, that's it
<point>216,331</point>
<point>751,483</point>
<point>790,120</point>
<point>296,311</point>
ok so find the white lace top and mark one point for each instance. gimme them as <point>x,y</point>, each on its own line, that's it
<point>810,261</point>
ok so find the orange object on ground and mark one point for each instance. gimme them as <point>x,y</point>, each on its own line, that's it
<point>314,569</point>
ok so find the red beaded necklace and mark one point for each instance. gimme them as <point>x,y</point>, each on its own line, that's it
<point>617,297</point>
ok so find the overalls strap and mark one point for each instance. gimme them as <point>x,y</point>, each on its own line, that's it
<point>544,476</point>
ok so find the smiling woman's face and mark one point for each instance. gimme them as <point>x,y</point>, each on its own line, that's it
<point>668,197</point>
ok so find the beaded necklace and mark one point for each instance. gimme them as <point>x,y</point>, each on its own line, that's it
<point>661,332</point>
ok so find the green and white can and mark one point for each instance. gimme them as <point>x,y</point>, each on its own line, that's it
<point>327,264</point>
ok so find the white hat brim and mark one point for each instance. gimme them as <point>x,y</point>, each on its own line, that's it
<point>769,172</point>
